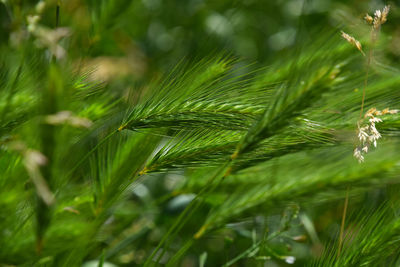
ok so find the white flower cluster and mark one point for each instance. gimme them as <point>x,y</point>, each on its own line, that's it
<point>367,133</point>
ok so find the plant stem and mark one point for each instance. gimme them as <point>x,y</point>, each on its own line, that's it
<point>365,82</point>
<point>341,235</point>
<point>58,14</point>
<point>346,201</point>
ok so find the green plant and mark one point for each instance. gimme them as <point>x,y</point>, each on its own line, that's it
<point>218,161</point>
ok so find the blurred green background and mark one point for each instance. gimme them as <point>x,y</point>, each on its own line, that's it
<point>125,44</point>
<point>144,37</point>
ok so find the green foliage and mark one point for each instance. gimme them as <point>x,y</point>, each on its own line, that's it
<point>196,98</point>
<point>218,162</point>
<point>374,232</point>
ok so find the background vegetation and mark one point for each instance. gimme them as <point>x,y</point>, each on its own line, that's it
<point>196,133</point>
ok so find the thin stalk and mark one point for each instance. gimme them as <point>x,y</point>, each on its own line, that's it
<point>49,98</point>
<point>254,249</point>
<point>341,235</point>
<point>365,82</point>
<point>346,201</point>
<point>174,260</point>
<point>58,13</point>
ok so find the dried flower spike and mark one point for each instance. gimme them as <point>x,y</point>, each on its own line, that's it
<point>380,17</point>
<point>66,117</point>
<point>353,42</point>
<point>369,19</point>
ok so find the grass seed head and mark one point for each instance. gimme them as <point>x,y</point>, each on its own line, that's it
<point>380,17</point>
<point>353,41</point>
<point>367,133</point>
<point>369,19</point>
